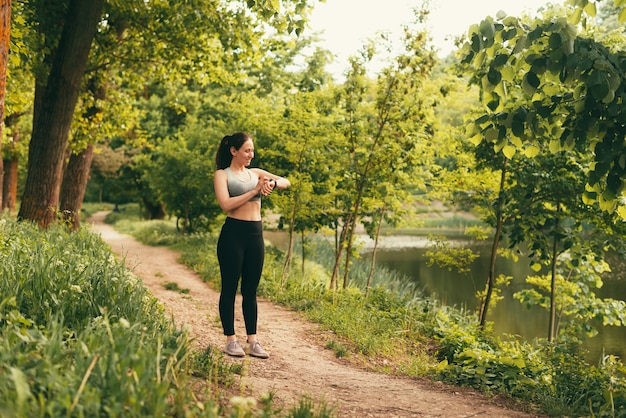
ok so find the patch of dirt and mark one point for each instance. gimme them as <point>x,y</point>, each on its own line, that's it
<point>299,364</point>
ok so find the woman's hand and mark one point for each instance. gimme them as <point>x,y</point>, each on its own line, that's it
<point>267,185</point>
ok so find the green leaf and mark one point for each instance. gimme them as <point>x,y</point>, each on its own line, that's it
<point>482,121</point>
<point>535,34</point>
<point>487,29</point>
<point>22,389</point>
<point>491,134</point>
<point>508,73</point>
<point>530,83</point>
<point>590,9</point>
<point>555,146</point>
<point>609,97</point>
<point>531,151</point>
<point>476,139</point>
<point>556,40</point>
<point>589,198</point>
<point>520,45</point>
<point>509,151</point>
<point>517,127</point>
<point>476,42</point>
<point>622,15</point>
<point>607,201</point>
<point>574,18</point>
<point>494,76</point>
<point>598,84</point>
<point>500,60</point>
<point>532,79</point>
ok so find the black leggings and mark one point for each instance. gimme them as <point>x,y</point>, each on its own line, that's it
<point>241,253</point>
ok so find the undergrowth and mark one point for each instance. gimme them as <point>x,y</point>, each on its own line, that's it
<point>420,336</point>
<point>80,336</point>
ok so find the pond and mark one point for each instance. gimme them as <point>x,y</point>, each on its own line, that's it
<point>405,254</point>
<point>509,316</point>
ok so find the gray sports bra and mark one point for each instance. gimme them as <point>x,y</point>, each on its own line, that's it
<point>237,187</point>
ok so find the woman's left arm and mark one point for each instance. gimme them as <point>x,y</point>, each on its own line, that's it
<point>278,182</point>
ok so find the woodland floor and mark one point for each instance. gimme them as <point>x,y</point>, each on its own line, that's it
<point>299,365</point>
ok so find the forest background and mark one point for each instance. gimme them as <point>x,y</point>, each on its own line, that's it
<point>523,126</point>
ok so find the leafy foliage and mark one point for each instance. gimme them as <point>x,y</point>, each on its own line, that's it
<point>542,81</point>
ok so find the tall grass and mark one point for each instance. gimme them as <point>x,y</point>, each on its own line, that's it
<point>80,336</point>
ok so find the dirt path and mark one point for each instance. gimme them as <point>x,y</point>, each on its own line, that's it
<point>299,365</point>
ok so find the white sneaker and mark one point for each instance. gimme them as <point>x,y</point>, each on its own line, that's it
<point>233,348</point>
<point>255,350</point>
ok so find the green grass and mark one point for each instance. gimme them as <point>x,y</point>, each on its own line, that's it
<point>80,336</point>
<point>175,288</point>
<point>396,329</point>
<point>89,208</point>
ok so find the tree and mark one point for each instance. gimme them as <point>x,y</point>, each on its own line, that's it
<point>179,174</point>
<point>384,135</point>
<point>306,130</point>
<point>55,100</point>
<point>499,219</point>
<point>18,106</point>
<point>81,149</point>
<point>159,27</point>
<point>526,72</point>
<point>5,35</point>
<point>547,54</point>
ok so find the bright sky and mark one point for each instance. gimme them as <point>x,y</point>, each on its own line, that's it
<point>346,24</point>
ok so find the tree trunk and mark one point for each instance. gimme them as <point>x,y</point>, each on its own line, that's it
<point>5,35</point>
<point>349,246</point>
<point>54,110</point>
<point>9,184</point>
<point>11,165</point>
<point>376,238</point>
<point>76,174</point>
<point>154,210</point>
<point>339,252</point>
<point>292,223</point>
<point>352,231</point>
<point>303,241</point>
<point>491,278</point>
<point>75,179</point>
<point>552,322</point>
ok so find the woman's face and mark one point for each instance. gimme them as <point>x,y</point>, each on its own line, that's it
<point>244,155</point>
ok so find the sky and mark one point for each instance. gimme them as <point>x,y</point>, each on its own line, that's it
<point>344,25</point>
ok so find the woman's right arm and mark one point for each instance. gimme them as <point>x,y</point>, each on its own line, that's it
<point>227,203</point>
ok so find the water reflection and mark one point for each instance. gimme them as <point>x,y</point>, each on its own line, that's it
<point>509,315</point>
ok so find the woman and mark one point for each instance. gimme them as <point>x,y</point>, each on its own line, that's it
<point>240,248</point>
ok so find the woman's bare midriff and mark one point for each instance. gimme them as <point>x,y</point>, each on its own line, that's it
<point>249,211</point>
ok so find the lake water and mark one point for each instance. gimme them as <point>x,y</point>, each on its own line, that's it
<point>405,254</point>
<point>509,315</point>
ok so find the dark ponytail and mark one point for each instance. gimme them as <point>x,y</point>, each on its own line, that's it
<point>223,157</point>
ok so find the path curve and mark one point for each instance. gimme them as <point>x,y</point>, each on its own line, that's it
<point>298,365</point>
